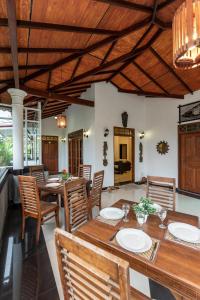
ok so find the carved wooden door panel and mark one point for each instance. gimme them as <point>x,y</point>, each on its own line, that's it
<point>189,151</point>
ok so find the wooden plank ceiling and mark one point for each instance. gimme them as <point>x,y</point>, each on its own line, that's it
<point>61,47</point>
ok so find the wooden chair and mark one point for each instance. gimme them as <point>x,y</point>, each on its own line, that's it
<point>88,272</point>
<point>33,207</point>
<point>38,173</point>
<point>84,171</point>
<point>75,204</point>
<point>95,195</point>
<point>162,190</point>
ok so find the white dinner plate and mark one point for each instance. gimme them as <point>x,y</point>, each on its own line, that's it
<point>73,177</point>
<point>52,184</point>
<point>134,240</point>
<point>185,232</point>
<point>53,179</point>
<point>112,213</point>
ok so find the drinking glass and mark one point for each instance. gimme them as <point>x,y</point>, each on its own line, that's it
<point>126,208</point>
<point>141,218</point>
<point>162,213</point>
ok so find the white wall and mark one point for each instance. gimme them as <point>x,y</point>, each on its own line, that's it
<point>161,118</point>
<point>49,127</point>
<point>82,117</point>
<point>109,105</point>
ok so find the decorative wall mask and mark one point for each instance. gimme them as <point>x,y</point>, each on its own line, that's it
<point>162,147</point>
<point>105,149</point>
<point>106,132</point>
<point>124,119</point>
<point>140,152</point>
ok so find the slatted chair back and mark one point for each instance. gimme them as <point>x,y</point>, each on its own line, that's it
<point>88,272</point>
<point>38,173</point>
<point>162,190</point>
<point>95,197</point>
<point>29,196</point>
<point>76,204</point>
<point>84,171</point>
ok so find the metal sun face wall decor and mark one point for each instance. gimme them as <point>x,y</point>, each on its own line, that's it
<point>162,147</point>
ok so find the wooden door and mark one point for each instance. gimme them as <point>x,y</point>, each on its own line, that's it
<point>189,162</point>
<point>50,153</point>
<point>75,149</point>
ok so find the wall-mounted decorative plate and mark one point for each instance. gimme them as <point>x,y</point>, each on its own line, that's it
<point>162,147</point>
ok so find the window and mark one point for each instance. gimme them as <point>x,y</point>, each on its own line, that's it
<point>6,152</point>
<point>32,136</point>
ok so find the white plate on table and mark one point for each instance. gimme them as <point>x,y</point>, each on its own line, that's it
<point>185,232</point>
<point>134,240</point>
<point>112,213</point>
<point>74,178</point>
<point>53,179</point>
<point>53,184</point>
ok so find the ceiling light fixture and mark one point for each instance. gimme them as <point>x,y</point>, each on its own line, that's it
<point>186,35</point>
<point>61,121</point>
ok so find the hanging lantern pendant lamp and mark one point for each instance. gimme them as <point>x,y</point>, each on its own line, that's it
<point>61,121</point>
<point>186,35</point>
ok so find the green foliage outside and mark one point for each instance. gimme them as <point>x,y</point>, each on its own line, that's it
<point>6,151</point>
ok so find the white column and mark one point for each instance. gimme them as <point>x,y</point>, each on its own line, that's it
<point>18,136</point>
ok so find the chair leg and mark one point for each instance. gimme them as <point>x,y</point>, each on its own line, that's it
<point>23,226</point>
<point>38,231</point>
<point>57,217</point>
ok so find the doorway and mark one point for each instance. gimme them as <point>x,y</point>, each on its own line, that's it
<point>124,155</point>
<point>189,157</point>
<point>75,151</point>
<point>50,153</point>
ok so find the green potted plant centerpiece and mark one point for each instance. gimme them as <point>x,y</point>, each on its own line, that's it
<point>65,175</point>
<point>144,208</point>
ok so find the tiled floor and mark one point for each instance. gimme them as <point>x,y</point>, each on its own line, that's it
<point>130,192</point>
<point>27,272</point>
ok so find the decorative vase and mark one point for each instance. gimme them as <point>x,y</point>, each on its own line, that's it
<point>124,119</point>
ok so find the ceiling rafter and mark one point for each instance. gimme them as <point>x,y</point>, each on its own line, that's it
<point>74,89</point>
<point>157,55</point>
<point>149,77</point>
<point>23,67</point>
<point>129,5</point>
<point>58,27</point>
<point>40,50</point>
<point>76,68</point>
<point>148,93</point>
<point>89,49</point>
<point>123,57</point>
<point>54,96</point>
<point>141,39</point>
<point>108,52</point>
<point>131,81</point>
<point>11,23</point>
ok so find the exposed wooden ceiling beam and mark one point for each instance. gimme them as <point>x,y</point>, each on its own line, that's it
<point>147,93</point>
<point>23,67</point>
<point>56,108</point>
<point>54,96</point>
<point>101,67</point>
<point>141,39</point>
<point>129,5</point>
<point>91,48</point>
<point>108,52</point>
<point>41,50</point>
<point>149,77</point>
<point>165,4</point>
<point>58,27</point>
<point>73,92</point>
<point>161,60</point>
<point>11,23</point>
<point>76,67</point>
<point>74,89</point>
<point>56,104</point>
<point>131,81</point>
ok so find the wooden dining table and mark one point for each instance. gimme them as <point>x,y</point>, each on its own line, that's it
<point>59,190</point>
<point>175,266</point>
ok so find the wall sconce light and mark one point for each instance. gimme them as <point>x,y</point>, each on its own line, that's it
<point>63,139</point>
<point>142,135</point>
<point>106,132</point>
<point>86,133</point>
